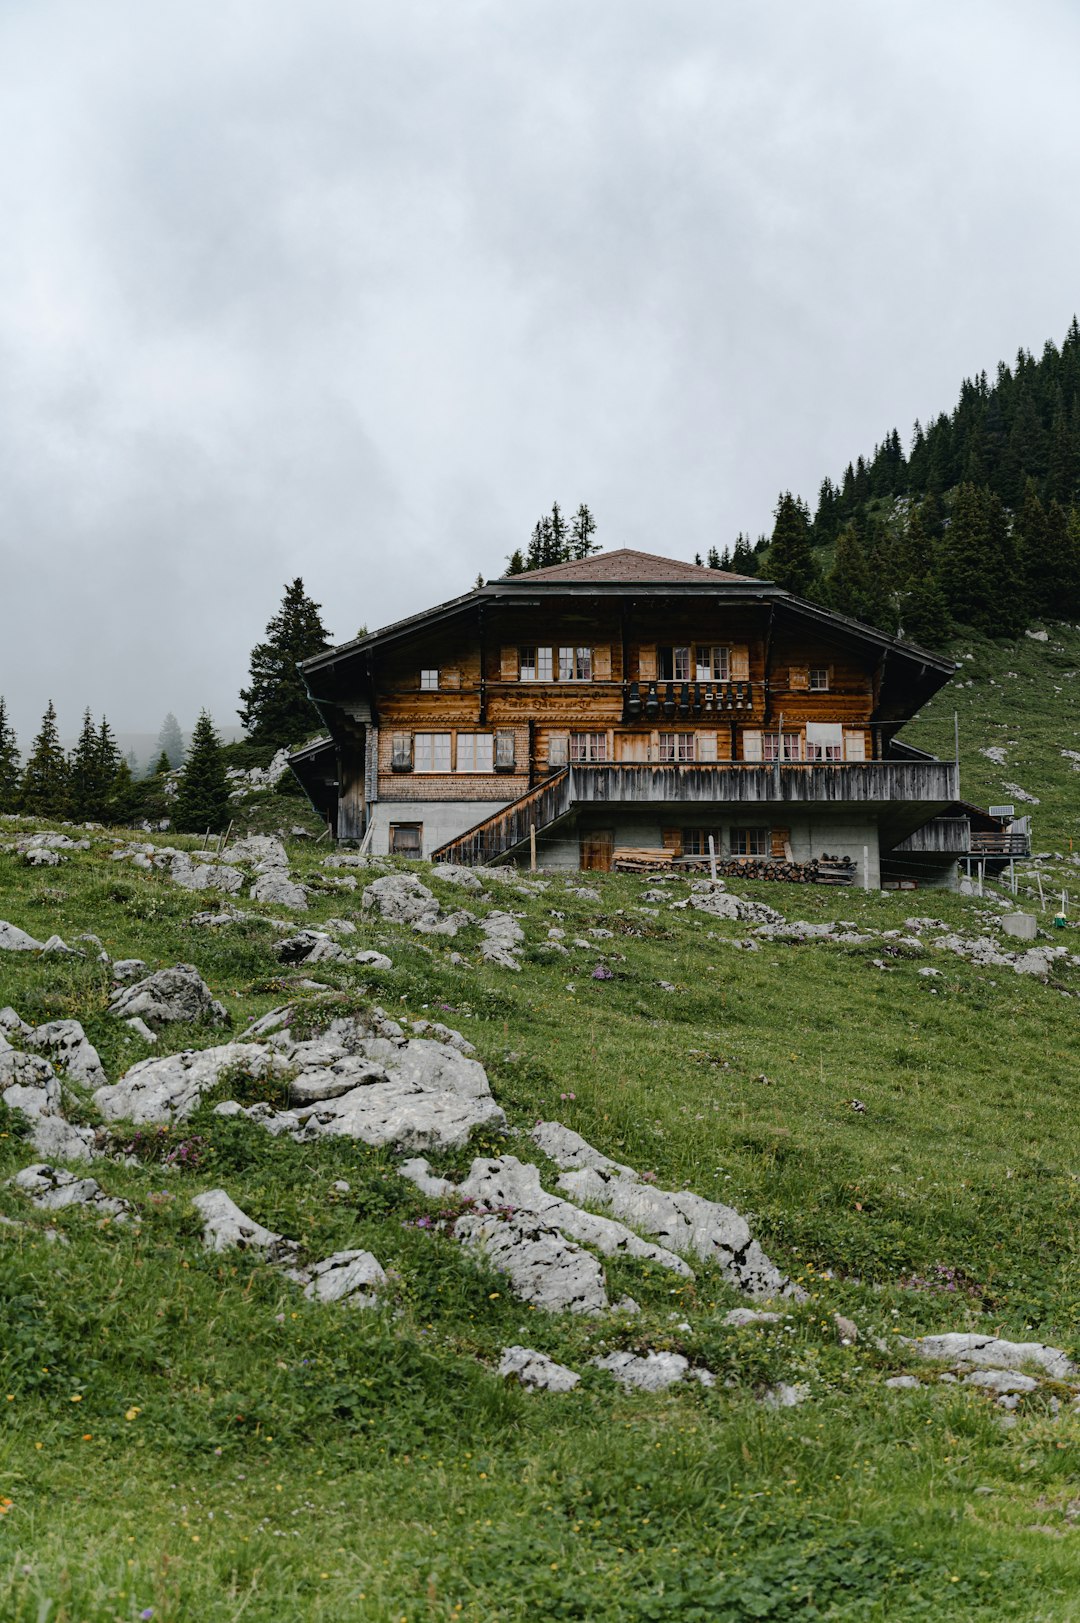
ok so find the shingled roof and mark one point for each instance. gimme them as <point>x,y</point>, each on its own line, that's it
<point>626,564</point>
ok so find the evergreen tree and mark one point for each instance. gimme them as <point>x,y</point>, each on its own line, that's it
<point>86,787</point>
<point>849,586</point>
<point>171,740</point>
<point>559,536</point>
<point>515,564</point>
<point>276,707</point>
<point>9,762</point>
<point>202,800</point>
<point>123,796</point>
<point>792,564</point>
<point>582,531</point>
<point>1039,562</point>
<point>744,560</point>
<point>43,790</point>
<point>160,767</point>
<point>925,615</point>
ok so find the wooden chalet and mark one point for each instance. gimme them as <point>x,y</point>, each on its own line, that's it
<point>625,701</point>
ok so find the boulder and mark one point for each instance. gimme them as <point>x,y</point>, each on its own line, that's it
<point>401,898</point>
<point>28,1083</point>
<point>507,1184</point>
<point>453,874</point>
<point>1001,1380</point>
<point>71,1048</point>
<point>13,939</point>
<point>176,994</point>
<point>418,1172</point>
<point>989,1352</point>
<point>226,1227</point>
<point>169,1088</point>
<point>125,970</point>
<point>354,1277</point>
<point>264,849</point>
<point>535,1371</point>
<point>204,875</point>
<point>652,1371</point>
<point>309,947</point>
<point>372,960</point>
<point>542,1266</point>
<point>53,1189</point>
<point>275,886</point>
<point>503,937</point>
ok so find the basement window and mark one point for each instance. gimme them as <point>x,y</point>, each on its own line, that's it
<point>695,841</point>
<point>406,839</point>
<point>429,681</point>
<point>750,842</point>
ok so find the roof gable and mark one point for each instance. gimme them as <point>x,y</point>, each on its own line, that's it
<point>627,564</point>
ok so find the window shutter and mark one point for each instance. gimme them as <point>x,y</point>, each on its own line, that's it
<point>450,676</point>
<point>558,746</point>
<point>780,842</point>
<point>601,663</point>
<point>706,746</point>
<point>508,666</point>
<point>672,838</point>
<point>740,664</point>
<point>855,746</point>
<point>799,678</point>
<point>504,751</point>
<point>646,664</point>
<point>401,752</point>
<point>751,746</point>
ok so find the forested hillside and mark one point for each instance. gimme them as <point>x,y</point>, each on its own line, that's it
<point>977,525</point>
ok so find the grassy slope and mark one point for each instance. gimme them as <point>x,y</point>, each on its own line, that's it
<point>238,1452</point>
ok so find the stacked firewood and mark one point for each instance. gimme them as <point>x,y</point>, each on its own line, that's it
<point>824,870</point>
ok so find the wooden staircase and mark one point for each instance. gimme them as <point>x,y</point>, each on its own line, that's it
<point>500,833</point>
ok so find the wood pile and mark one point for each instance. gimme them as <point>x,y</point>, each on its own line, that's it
<point>642,859</point>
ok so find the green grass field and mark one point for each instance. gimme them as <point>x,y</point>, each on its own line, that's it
<point>187,1438</point>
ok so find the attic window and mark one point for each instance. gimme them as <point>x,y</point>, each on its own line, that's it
<point>429,681</point>
<point>819,679</point>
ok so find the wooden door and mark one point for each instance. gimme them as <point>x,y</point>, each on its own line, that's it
<point>596,849</point>
<point>632,746</point>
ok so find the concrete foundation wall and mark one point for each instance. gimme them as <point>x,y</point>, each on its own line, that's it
<point>442,820</point>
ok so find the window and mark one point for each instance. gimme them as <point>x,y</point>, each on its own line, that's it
<point>575,664</point>
<point>536,664</point>
<point>504,751</point>
<point>791,750</point>
<point>819,679</point>
<point>588,746</point>
<point>696,841</point>
<point>750,842</point>
<point>674,664</point>
<point>824,741</point>
<point>475,752</point>
<point>432,752</point>
<point>676,746</point>
<point>558,744</point>
<point>527,664</point>
<point>401,752</point>
<point>429,681</point>
<point>713,664</point>
<point>406,839</point>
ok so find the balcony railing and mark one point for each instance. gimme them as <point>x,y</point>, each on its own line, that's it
<point>743,783</point>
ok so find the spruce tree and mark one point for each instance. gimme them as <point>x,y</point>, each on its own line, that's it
<point>925,615</point>
<point>171,740</point>
<point>849,586</point>
<point>582,530</point>
<point>515,564</point>
<point>86,787</point>
<point>559,536</point>
<point>9,762</point>
<point>1038,557</point>
<point>276,707</point>
<point>123,795</point>
<point>202,800</point>
<point>714,558</point>
<point>744,559</point>
<point>161,766</point>
<point>43,791</point>
<point>792,564</point>
<point>965,576</point>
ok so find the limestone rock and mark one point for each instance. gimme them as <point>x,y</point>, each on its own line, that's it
<point>783,1396</point>
<point>275,886</point>
<point>11,1023</point>
<point>13,939</point>
<point>225,1226</point>
<point>41,857</point>
<point>903,1383</point>
<point>443,1034</point>
<point>204,875</point>
<point>309,947</point>
<point>505,1183</point>
<point>372,959</point>
<point>418,1172</point>
<point>176,994</point>
<point>354,1277</point>
<point>502,941</point>
<point>652,1371</point>
<point>569,1150</point>
<point>535,1371</point>
<point>453,873</point>
<point>59,1140</point>
<point>53,1189</point>
<point>743,1318</point>
<point>71,1048</point>
<point>401,898</point>
<point>263,849</point>
<point>169,1088</point>
<point>28,1083</point>
<point>141,1029</point>
<point>125,970</point>
<point>1001,1381</point>
<point>542,1266</point>
<point>989,1352</point>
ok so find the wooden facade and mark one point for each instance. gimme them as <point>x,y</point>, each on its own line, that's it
<point>624,661</point>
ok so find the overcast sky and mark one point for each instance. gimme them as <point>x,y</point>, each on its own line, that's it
<point>354,290</point>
